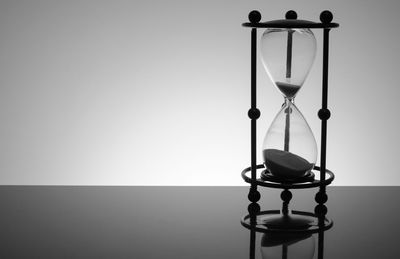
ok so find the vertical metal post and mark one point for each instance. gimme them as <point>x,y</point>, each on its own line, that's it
<point>320,244</point>
<point>253,103</point>
<point>324,115</point>
<point>324,112</point>
<point>252,244</point>
<point>254,113</point>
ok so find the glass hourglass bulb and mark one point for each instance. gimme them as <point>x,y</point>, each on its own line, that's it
<point>289,148</point>
<point>287,55</point>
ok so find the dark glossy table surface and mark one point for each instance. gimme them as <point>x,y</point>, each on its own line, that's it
<point>182,222</point>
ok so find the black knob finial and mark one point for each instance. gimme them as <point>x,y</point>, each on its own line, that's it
<point>292,15</point>
<point>254,16</point>
<point>326,16</point>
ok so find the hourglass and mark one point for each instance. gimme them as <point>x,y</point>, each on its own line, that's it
<point>289,151</point>
<point>289,148</point>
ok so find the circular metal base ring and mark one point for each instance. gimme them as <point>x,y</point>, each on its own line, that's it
<point>262,219</point>
<point>329,177</point>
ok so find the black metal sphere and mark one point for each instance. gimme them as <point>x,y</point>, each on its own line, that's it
<point>286,195</point>
<point>254,16</point>
<point>254,196</point>
<point>291,15</point>
<point>321,197</point>
<point>254,113</point>
<point>324,114</point>
<point>321,210</point>
<point>253,208</point>
<point>326,16</point>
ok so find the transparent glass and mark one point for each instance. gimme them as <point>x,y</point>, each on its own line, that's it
<point>287,55</point>
<point>289,148</point>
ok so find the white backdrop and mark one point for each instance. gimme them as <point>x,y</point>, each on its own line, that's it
<point>157,92</point>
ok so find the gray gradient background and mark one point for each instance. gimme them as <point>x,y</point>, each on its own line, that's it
<point>157,92</point>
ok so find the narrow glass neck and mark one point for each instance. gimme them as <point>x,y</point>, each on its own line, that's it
<point>288,101</point>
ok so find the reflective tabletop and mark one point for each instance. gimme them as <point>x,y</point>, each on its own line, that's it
<point>188,222</point>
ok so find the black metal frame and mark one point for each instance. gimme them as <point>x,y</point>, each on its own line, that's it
<point>302,185</point>
<point>326,176</point>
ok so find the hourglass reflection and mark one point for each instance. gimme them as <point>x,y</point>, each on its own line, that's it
<point>287,245</point>
<point>289,148</point>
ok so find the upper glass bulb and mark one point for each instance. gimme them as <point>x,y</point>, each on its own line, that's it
<point>288,55</point>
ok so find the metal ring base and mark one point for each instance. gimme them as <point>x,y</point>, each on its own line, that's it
<point>266,222</point>
<point>329,177</point>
